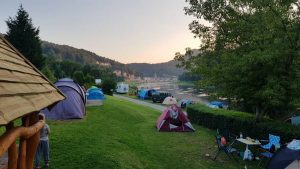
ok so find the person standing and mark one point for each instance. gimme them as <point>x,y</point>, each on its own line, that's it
<point>43,147</point>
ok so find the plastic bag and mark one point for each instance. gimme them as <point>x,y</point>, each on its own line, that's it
<point>248,155</point>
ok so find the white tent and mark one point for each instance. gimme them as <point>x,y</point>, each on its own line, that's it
<point>169,100</point>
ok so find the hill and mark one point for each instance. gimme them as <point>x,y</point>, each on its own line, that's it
<point>81,56</point>
<point>166,69</point>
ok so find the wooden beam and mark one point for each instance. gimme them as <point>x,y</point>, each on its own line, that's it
<point>33,141</point>
<point>10,136</point>
<point>12,150</point>
<point>22,146</point>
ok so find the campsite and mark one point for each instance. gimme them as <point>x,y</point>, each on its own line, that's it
<point>194,84</point>
<point>103,140</point>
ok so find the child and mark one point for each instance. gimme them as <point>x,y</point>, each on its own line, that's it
<point>43,147</point>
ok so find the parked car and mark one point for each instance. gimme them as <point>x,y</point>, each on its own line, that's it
<point>159,96</point>
<point>217,104</point>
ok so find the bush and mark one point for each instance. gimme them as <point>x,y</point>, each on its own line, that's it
<point>108,85</point>
<point>236,122</point>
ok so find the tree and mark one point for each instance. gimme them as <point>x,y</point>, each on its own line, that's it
<point>78,76</point>
<point>108,85</point>
<point>48,73</point>
<point>24,36</point>
<point>249,51</point>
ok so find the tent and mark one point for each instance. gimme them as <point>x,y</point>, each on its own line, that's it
<point>94,93</point>
<point>169,100</point>
<point>173,119</point>
<point>73,107</point>
<point>95,96</point>
<point>184,102</point>
<point>287,157</point>
<point>146,93</point>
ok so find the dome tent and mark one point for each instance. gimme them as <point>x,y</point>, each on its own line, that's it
<point>173,119</point>
<point>169,100</point>
<point>95,96</point>
<point>286,157</point>
<point>73,107</point>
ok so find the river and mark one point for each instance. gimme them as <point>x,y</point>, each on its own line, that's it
<point>178,91</point>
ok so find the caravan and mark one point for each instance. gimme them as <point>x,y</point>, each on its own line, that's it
<point>122,88</point>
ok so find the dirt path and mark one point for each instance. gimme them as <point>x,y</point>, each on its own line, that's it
<point>154,106</point>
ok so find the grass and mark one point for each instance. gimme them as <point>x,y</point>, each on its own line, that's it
<point>121,134</point>
<point>186,83</point>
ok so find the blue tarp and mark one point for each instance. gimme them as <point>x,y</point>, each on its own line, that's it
<point>95,93</point>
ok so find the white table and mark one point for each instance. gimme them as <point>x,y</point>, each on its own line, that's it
<point>248,142</point>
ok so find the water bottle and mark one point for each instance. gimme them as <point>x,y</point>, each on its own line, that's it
<point>241,135</point>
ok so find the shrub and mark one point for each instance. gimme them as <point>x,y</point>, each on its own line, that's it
<point>236,122</point>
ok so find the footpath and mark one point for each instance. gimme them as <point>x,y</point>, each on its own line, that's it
<point>154,106</point>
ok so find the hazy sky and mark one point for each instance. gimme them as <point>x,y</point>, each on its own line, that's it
<point>128,31</point>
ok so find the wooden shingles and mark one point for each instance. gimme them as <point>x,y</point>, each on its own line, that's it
<point>23,89</point>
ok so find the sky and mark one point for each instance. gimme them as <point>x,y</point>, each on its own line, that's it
<point>128,31</point>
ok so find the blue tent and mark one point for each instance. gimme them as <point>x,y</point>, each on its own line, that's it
<point>286,157</point>
<point>95,93</point>
<point>146,93</point>
<point>73,107</point>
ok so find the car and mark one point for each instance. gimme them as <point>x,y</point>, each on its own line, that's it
<point>217,104</point>
<point>159,96</point>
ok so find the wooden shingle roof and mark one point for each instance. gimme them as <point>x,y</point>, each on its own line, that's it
<point>23,88</point>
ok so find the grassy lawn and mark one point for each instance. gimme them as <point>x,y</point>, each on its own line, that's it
<point>120,134</point>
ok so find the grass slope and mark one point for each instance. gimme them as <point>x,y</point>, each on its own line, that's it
<point>121,134</point>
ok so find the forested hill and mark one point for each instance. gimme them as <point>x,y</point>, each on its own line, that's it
<point>166,69</point>
<point>81,56</point>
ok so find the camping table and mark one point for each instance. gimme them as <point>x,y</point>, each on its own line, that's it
<point>248,142</point>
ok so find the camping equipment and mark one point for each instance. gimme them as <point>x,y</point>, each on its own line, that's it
<point>287,157</point>
<point>94,97</point>
<point>169,101</point>
<point>73,107</point>
<point>224,143</point>
<point>173,119</point>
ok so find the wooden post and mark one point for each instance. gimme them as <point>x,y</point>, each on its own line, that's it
<point>12,150</point>
<point>22,146</point>
<point>32,142</point>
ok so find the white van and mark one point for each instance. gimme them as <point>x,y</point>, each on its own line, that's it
<point>122,88</point>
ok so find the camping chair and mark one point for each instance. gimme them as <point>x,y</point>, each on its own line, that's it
<point>273,140</point>
<point>267,150</point>
<point>267,153</point>
<point>225,145</point>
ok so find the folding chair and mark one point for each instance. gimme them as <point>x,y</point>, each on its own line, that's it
<point>273,140</point>
<point>267,154</point>
<point>225,146</point>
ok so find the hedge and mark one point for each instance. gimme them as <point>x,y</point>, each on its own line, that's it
<point>236,122</point>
